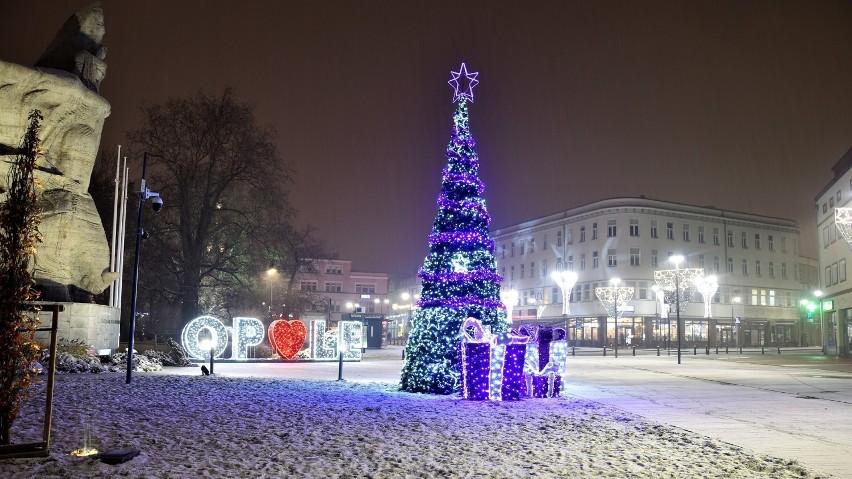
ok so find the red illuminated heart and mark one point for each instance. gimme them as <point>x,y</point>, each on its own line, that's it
<point>287,337</point>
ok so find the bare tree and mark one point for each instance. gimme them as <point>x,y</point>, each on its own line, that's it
<point>19,220</point>
<point>224,186</point>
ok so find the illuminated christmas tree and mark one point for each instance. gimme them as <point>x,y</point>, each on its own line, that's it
<point>459,275</point>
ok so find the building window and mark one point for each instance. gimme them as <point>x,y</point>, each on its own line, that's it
<point>654,258</point>
<point>522,270</point>
<point>784,270</point>
<point>582,261</point>
<point>634,257</point>
<point>757,241</point>
<point>654,229</point>
<point>544,241</point>
<point>512,250</point>
<point>716,266</point>
<point>611,259</point>
<point>743,240</point>
<point>570,262</point>
<point>772,269</point>
<point>834,273</point>
<point>594,230</point>
<point>503,251</point>
<point>828,275</point>
<point>832,233</point>
<point>841,267</point>
<point>532,245</point>
<point>333,287</point>
<point>701,234</point>
<point>745,267</point>
<point>610,228</point>
<point>634,227</point>
<point>512,273</point>
<point>701,261</point>
<point>770,242</point>
<point>365,288</point>
<point>523,246</point>
<point>544,268</point>
<point>757,269</point>
<point>730,239</point>
<point>559,238</point>
<point>783,244</point>
<point>685,232</point>
<point>716,236</point>
<point>570,236</point>
<point>308,285</point>
<point>731,265</point>
<point>824,207</point>
<point>670,231</point>
<point>582,234</point>
<point>333,269</point>
<point>334,306</point>
<point>595,262</point>
<point>771,297</point>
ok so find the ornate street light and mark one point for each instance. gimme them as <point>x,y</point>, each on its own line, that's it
<point>707,286</point>
<point>509,298</point>
<point>613,298</point>
<point>679,283</point>
<point>566,281</point>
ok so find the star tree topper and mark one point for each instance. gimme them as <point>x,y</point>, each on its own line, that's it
<point>459,90</point>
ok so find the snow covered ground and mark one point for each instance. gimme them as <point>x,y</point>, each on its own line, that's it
<point>188,425</point>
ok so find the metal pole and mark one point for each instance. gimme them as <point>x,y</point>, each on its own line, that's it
<point>211,359</point>
<point>340,367</point>
<point>677,305</point>
<point>136,272</point>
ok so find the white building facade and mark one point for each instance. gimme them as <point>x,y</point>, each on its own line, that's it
<point>754,258</point>
<point>834,255</point>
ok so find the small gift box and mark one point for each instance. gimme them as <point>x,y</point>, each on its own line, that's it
<point>491,364</point>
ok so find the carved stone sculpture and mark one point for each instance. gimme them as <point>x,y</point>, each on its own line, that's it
<point>72,262</point>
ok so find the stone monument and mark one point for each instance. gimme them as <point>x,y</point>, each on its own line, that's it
<point>72,262</point>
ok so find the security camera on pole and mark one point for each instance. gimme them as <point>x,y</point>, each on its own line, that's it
<point>157,205</point>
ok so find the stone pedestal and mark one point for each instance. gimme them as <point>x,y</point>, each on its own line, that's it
<point>94,324</point>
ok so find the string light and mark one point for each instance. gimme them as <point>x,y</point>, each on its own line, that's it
<point>247,332</point>
<point>191,342</point>
<point>287,337</point>
<point>459,275</point>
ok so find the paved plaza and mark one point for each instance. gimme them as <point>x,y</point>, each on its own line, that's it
<point>794,405</point>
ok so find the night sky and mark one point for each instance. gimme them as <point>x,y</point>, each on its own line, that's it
<point>741,105</point>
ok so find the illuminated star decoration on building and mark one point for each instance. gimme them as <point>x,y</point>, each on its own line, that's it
<point>459,90</point>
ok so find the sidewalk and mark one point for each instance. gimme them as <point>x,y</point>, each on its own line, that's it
<point>791,406</point>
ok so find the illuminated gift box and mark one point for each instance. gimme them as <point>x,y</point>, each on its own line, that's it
<point>491,364</point>
<point>546,360</point>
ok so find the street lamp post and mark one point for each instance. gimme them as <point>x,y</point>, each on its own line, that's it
<point>682,281</point>
<point>734,323</point>
<point>612,298</point>
<point>823,329</point>
<point>270,273</point>
<point>708,287</point>
<point>156,204</point>
<point>509,298</point>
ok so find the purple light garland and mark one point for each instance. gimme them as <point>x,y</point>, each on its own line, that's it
<point>467,237</point>
<point>459,303</point>
<point>457,277</point>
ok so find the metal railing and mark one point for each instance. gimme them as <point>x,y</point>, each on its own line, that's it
<point>41,448</point>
